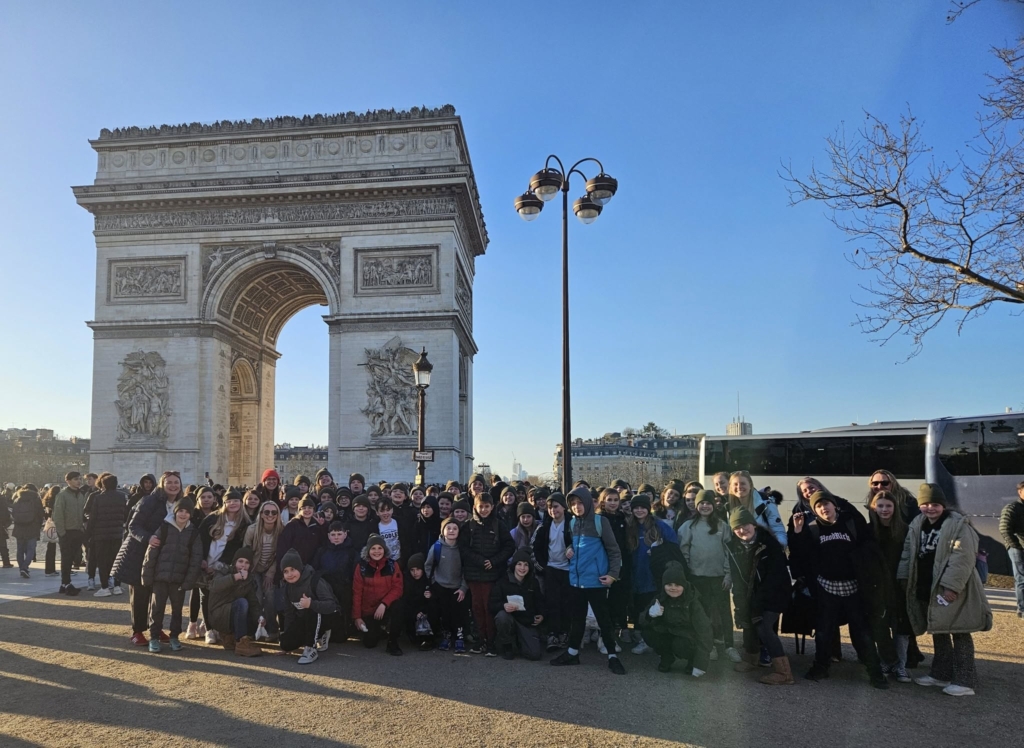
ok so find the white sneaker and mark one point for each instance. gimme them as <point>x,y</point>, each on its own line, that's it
<point>733,654</point>
<point>192,632</point>
<point>323,641</point>
<point>309,654</point>
<point>640,648</point>
<point>91,585</point>
<point>201,630</point>
<point>697,672</point>
<point>103,592</point>
<point>958,690</point>
<point>116,589</point>
<point>927,680</point>
<point>714,655</point>
<point>212,637</point>
<point>604,650</point>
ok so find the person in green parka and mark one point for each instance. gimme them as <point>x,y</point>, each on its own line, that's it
<point>676,626</point>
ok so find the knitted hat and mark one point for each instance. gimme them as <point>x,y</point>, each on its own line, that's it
<point>618,484</point>
<point>403,487</point>
<point>507,490</point>
<point>930,493</point>
<point>523,554</point>
<point>674,574</point>
<point>293,492</point>
<point>270,473</point>
<point>341,492</point>
<point>323,471</point>
<point>476,477</point>
<point>308,500</point>
<point>183,504</point>
<point>641,500</point>
<point>453,486</point>
<point>328,505</point>
<point>415,561</point>
<point>327,491</point>
<point>358,477</point>
<point>361,500</point>
<point>557,498</point>
<point>525,508</point>
<point>302,479</point>
<point>648,489</point>
<point>376,539</point>
<point>290,560</point>
<point>448,521</point>
<point>243,552</point>
<point>741,516</point>
<point>705,495</point>
<point>464,505</point>
<point>676,485</point>
<point>819,496</point>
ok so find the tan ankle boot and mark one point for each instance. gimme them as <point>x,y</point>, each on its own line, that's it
<point>246,647</point>
<point>781,675</point>
<point>747,664</point>
<point>228,641</point>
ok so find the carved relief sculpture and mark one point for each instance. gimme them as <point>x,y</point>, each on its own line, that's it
<point>151,280</point>
<point>463,294</point>
<point>142,398</point>
<point>410,270</point>
<point>391,394</point>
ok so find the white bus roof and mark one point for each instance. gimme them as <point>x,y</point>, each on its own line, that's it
<point>878,428</point>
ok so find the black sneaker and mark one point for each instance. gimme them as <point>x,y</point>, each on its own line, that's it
<point>24,574</point>
<point>490,650</point>
<point>8,565</point>
<point>553,643</point>
<point>880,682</point>
<point>68,589</point>
<point>508,653</point>
<point>52,574</point>
<point>477,648</point>
<point>617,667</point>
<point>426,645</point>
<point>394,649</point>
<point>566,659</point>
<point>665,664</point>
<point>817,672</point>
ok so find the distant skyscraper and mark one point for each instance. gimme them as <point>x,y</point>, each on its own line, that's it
<point>739,427</point>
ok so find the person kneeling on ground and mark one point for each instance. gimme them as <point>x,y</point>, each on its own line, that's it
<point>515,605</point>
<point>308,610</point>
<point>235,605</point>
<point>416,604</point>
<point>377,596</point>
<point>676,626</point>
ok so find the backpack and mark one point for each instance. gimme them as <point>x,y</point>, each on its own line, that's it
<point>597,523</point>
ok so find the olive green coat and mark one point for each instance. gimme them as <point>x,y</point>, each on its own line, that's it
<point>955,570</point>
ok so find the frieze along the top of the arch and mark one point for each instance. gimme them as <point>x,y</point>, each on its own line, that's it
<point>280,123</point>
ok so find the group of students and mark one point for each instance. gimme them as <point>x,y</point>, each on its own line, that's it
<point>512,570</point>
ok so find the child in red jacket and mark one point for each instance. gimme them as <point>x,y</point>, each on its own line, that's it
<point>377,596</point>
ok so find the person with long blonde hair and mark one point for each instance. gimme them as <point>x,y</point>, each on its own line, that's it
<point>906,503</point>
<point>261,537</point>
<point>743,494</point>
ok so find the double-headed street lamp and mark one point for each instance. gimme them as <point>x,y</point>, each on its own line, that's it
<point>421,371</point>
<point>544,185</point>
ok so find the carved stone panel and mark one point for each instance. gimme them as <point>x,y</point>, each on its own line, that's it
<point>142,398</point>
<point>463,293</point>
<point>148,279</point>
<point>397,270</point>
<point>391,406</point>
<point>325,254</point>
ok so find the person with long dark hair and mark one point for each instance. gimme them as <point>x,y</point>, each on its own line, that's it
<point>891,628</point>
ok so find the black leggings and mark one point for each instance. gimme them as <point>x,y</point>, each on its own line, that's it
<point>199,600</point>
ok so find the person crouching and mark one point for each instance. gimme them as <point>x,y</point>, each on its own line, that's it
<point>676,626</point>
<point>377,596</point>
<point>235,605</point>
<point>309,606</point>
<point>515,605</point>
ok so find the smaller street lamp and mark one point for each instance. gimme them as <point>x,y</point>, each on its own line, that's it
<point>421,371</point>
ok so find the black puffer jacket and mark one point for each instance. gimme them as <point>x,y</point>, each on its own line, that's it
<point>176,562</point>
<point>104,512</point>
<point>485,539</point>
<point>508,585</point>
<point>145,519</point>
<point>28,515</point>
<point>760,577</point>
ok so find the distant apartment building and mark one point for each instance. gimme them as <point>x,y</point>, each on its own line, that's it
<point>290,461</point>
<point>634,458</point>
<point>39,456</point>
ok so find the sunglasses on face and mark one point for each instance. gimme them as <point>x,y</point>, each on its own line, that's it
<point>879,483</point>
<point>269,514</point>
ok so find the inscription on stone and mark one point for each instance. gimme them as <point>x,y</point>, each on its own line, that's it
<point>158,280</point>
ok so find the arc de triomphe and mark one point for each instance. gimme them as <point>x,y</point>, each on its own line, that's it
<point>209,237</point>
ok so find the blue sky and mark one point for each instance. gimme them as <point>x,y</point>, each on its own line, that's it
<point>698,280</point>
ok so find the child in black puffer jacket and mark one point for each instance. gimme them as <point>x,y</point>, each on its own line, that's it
<point>171,569</point>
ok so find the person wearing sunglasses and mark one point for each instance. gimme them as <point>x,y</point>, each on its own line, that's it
<point>261,538</point>
<point>883,480</point>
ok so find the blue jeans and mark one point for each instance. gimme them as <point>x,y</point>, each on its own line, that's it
<point>27,551</point>
<point>240,618</point>
<point>1017,560</point>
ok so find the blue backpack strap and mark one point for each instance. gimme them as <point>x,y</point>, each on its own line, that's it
<point>436,553</point>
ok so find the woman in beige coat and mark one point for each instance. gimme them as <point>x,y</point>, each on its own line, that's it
<point>945,596</point>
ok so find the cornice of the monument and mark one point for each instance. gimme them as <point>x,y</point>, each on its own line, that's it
<point>276,124</point>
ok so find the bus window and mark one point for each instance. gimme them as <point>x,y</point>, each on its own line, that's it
<point>1002,447</point>
<point>900,455</point>
<point>821,456</point>
<point>958,451</point>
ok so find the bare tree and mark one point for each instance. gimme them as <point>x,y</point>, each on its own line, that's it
<point>938,238</point>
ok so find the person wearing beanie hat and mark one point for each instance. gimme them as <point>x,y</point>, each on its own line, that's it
<point>676,626</point>
<point>234,604</point>
<point>703,540</point>
<point>310,608</point>
<point>269,488</point>
<point>304,534</point>
<point>609,506</point>
<point>670,505</point>
<point>550,546</point>
<point>507,508</point>
<point>640,500</point>
<point>651,542</point>
<point>416,604</point>
<point>462,508</point>
<point>323,478</point>
<point>595,565</point>
<point>343,500</point>
<point>335,561</point>
<point>444,504</point>
<point>356,483</point>
<point>377,596</point>
<point>290,509</point>
<point>171,569</point>
<point>647,488</point>
<point>427,526</point>
<point>486,549</point>
<point>329,511</point>
<point>303,482</point>
<point>945,595</point>
<point>761,590</point>
<point>477,484</point>
<point>363,522</point>
<point>515,605</point>
<point>525,529</point>
<point>538,498</point>
<point>838,552</point>
<point>448,587</point>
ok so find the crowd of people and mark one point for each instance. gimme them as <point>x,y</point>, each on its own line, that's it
<point>514,570</point>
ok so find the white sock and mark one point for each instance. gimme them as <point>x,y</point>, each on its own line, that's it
<point>573,652</point>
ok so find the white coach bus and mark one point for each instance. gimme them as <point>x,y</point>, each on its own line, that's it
<point>977,460</point>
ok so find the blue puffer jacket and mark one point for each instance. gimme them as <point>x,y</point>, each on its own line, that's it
<point>595,551</point>
<point>767,514</point>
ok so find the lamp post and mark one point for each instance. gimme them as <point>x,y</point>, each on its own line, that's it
<point>421,371</point>
<point>544,185</point>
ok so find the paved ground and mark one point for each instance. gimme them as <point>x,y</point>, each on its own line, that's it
<point>69,678</point>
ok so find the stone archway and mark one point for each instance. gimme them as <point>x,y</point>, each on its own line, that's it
<point>210,237</point>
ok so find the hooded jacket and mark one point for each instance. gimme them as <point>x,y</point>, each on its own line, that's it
<point>427,530</point>
<point>484,539</point>
<point>177,560</point>
<point>27,513</point>
<point>139,493</point>
<point>682,618</point>
<point>224,590</point>
<point>321,596</point>
<point>595,552</point>
<point>508,585</point>
<point>104,511</point>
<point>760,578</point>
<point>373,583</point>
